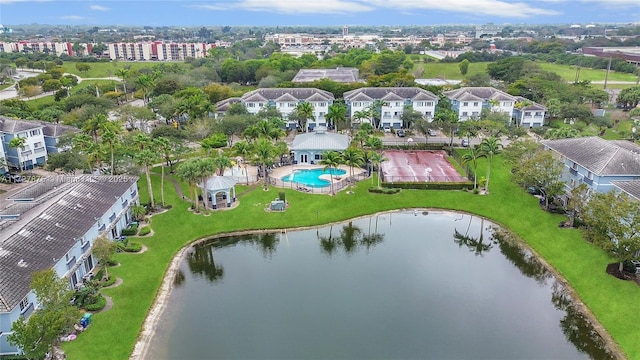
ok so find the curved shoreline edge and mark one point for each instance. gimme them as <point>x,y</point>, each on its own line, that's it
<point>161,301</point>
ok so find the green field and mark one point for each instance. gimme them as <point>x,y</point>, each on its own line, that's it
<point>450,71</point>
<point>114,332</point>
<point>568,72</point>
<point>105,69</point>
<point>41,102</point>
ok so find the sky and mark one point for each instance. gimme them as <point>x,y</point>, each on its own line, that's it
<point>316,12</point>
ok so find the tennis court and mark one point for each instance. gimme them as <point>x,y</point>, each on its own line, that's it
<point>419,166</point>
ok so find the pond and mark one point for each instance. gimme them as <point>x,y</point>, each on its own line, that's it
<point>402,285</point>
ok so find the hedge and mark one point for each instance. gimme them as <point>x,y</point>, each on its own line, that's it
<point>109,282</point>
<point>430,185</point>
<point>133,247</point>
<point>129,231</point>
<point>144,231</point>
<point>384,190</point>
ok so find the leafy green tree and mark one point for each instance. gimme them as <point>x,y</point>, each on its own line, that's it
<point>353,157</point>
<point>464,66</point>
<point>331,160</point>
<point>123,73</point>
<point>471,158</point>
<point>488,148</point>
<point>67,161</point>
<point>243,150</point>
<point>146,159</point>
<point>188,172</point>
<point>542,171</point>
<point>410,116</point>
<point>264,153</point>
<point>613,223</point>
<point>85,146</point>
<point>104,249</point>
<point>41,332</point>
<point>83,67</point>
<point>337,114</point>
<point>146,83</point>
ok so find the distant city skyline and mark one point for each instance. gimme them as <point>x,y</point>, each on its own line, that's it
<point>316,13</point>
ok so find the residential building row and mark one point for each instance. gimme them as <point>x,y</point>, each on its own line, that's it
<point>468,102</point>
<point>138,51</point>
<point>41,139</point>
<point>52,224</point>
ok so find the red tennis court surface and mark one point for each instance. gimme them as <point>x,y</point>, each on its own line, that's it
<point>413,166</point>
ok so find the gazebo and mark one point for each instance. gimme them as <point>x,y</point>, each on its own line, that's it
<point>221,190</point>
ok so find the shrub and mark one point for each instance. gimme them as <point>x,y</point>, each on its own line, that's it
<point>98,305</point>
<point>384,190</point>
<point>431,185</point>
<point>281,195</point>
<point>108,282</point>
<point>144,231</point>
<point>133,247</point>
<point>130,231</point>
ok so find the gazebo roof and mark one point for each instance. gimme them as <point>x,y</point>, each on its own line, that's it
<point>216,183</point>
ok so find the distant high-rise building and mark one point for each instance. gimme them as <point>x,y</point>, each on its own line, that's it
<point>345,30</point>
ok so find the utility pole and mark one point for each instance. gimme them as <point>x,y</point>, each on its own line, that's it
<point>575,81</point>
<point>606,77</point>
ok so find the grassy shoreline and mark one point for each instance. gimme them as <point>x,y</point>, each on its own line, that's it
<point>115,332</point>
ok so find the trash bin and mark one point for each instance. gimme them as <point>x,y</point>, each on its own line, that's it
<point>86,320</point>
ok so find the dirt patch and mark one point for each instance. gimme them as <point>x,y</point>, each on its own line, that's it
<point>614,270</point>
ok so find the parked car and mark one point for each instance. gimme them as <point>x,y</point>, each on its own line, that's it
<point>387,129</point>
<point>400,133</point>
<point>432,132</point>
<point>465,143</point>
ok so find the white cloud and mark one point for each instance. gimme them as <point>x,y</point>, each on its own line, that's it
<point>72,17</point>
<point>98,8</point>
<point>292,6</point>
<point>499,8</point>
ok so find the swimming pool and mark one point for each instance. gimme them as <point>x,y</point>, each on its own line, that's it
<point>311,177</point>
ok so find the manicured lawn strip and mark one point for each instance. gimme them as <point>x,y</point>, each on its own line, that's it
<point>114,333</point>
<point>105,69</point>
<point>40,103</point>
<point>450,71</point>
<point>568,72</point>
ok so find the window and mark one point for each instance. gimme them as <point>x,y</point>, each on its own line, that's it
<point>464,113</point>
<point>427,113</point>
<point>357,104</point>
<point>574,166</point>
<point>465,104</point>
<point>322,104</point>
<point>280,104</point>
<point>398,104</point>
<point>538,113</point>
<point>589,175</point>
<point>260,105</point>
<point>24,304</point>
<point>475,103</point>
<point>321,114</point>
<point>475,113</point>
<point>318,157</point>
<point>429,103</point>
<point>67,257</point>
<point>527,113</point>
<point>573,183</point>
<point>291,105</point>
<point>250,105</point>
<point>420,103</point>
<point>508,103</point>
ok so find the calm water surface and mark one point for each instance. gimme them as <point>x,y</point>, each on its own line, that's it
<point>404,285</point>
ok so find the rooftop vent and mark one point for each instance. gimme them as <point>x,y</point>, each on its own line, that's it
<point>22,263</point>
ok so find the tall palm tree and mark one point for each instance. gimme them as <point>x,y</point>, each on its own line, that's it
<point>360,115</point>
<point>146,158</point>
<point>376,160</point>
<point>84,145</point>
<point>222,162</point>
<point>375,112</point>
<point>353,157</point>
<point>163,146</point>
<point>188,171</point>
<point>471,158</point>
<point>242,149</point>
<point>336,114</point>
<point>122,74</point>
<point>331,160</point>
<point>264,152</point>
<point>489,147</point>
<point>305,110</point>
<point>110,132</point>
<point>146,84</point>
<point>18,143</point>
<point>205,168</point>
<point>94,124</point>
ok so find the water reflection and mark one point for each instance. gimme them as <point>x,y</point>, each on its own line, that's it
<point>475,244</point>
<point>350,239</point>
<point>577,327</point>
<point>201,262</point>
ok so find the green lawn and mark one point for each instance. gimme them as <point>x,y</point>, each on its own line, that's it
<point>450,71</point>
<point>114,333</point>
<point>92,84</point>
<point>41,102</point>
<point>568,72</point>
<point>105,69</point>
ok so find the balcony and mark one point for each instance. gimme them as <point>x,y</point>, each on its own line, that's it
<point>86,246</point>
<point>573,171</point>
<point>71,262</point>
<point>40,150</point>
<point>588,181</point>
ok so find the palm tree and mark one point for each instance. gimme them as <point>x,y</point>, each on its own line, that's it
<point>205,168</point>
<point>361,115</point>
<point>471,157</point>
<point>222,162</point>
<point>331,160</point>
<point>94,124</point>
<point>353,157</point>
<point>264,152</point>
<point>110,132</point>
<point>336,114</point>
<point>375,112</point>
<point>376,160</point>
<point>489,147</point>
<point>146,158</point>
<point>84,145</point>
<point>305,110</point>
<point>122,74</point>
<point>242,149</point>
<point>188,171</point>
<point>19,144</point>
<point>146,84</point>
<point>163,146</point>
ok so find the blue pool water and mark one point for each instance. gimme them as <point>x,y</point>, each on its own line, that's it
<point>311,177</point>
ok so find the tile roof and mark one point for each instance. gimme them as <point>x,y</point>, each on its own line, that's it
<point>45,232</point>
<point>14,126</point>
<point>275,93</point>
<point>405,93</point>
<point>532,105</point>
<point>599,156</point>
<point>320,140</point>
<point>631,187</point>
<point>485,93</point>
<point>223,105</point>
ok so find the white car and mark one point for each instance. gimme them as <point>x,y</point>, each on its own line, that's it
<point>432,132</point>
<point>387,129</point>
